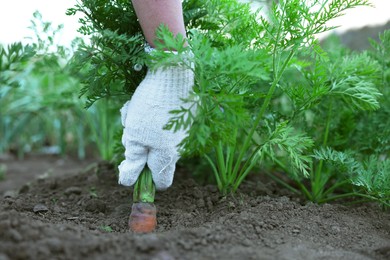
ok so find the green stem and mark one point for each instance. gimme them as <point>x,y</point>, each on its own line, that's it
<point>221,164</point>
<point>317,186</point>
<point>107,124</point>
<point>230,161</point>
<point>283,183</point>
<point>260,115</point>
<point>230,152</point>
<point>215,170</point>
<point>277,75</point>
<point>304,190</point>
<point>144,189</point>
<point>62,138</point>
<point>244,172</point>
<point>333,187</point>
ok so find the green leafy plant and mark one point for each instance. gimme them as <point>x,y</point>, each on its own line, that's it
<point>355,92</point>
<point>35,87</point>
<point>377,123</point>
<point>237,80</point>
<point>107,229</point>
<point>40,100</point>
<point>106,64</point>
<point>93,192</point>
<point>266,92</point>
<point>342,155</point>
<point>370,177</point>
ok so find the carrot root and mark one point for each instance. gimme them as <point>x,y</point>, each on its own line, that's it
<point>143,217</point>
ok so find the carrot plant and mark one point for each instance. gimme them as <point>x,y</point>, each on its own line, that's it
<point>239,70</point>
<point>265,90</point>
<point>346,160</point>
<point>361,156</point>
<point>40,104</point>
<point>143,214</point>
<point>35,87</point>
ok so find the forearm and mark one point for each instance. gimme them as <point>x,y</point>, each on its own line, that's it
<point>153,13</point>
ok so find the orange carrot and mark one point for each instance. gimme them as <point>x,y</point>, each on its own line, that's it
<point>143,217</point>
<point>143,212</point>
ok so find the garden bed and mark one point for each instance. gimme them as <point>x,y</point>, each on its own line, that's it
<point>85,214</point>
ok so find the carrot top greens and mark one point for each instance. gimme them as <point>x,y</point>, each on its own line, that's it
<point>268,95</point>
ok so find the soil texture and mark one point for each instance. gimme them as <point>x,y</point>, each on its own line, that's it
<point>84,215</point>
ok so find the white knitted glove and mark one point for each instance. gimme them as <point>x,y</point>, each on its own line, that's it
<point>144,117</point>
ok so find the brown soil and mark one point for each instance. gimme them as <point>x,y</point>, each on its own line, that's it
<point>84,215</point>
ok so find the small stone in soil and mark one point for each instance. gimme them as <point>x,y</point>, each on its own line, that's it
<point>258,230</point>
<point>10,194</point>
<point>40,208</point>
<point>72,218</point>
<point>73,190</point>
<point>163,255</point>
<point>296,231</point>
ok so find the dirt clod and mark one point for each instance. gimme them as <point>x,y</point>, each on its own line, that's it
<point>10,194</point>
<point>40,208</point>
<point>96,205</point>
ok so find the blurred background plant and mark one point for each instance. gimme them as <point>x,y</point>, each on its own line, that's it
<point>3,171</point>
<point>40,105</point>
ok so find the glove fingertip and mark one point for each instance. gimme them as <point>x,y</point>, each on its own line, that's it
<point>163,169</point>
<point>127,174</point>
<point>163,183</point>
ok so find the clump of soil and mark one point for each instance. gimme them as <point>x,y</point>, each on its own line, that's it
<point>85,215</point>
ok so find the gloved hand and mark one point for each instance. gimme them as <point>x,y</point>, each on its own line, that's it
<point>144,117</point>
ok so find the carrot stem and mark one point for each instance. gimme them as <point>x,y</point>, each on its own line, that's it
<point>144,189</point>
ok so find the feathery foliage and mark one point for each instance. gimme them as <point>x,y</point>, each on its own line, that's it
<point>265,89</point>
<point>236,80</point>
